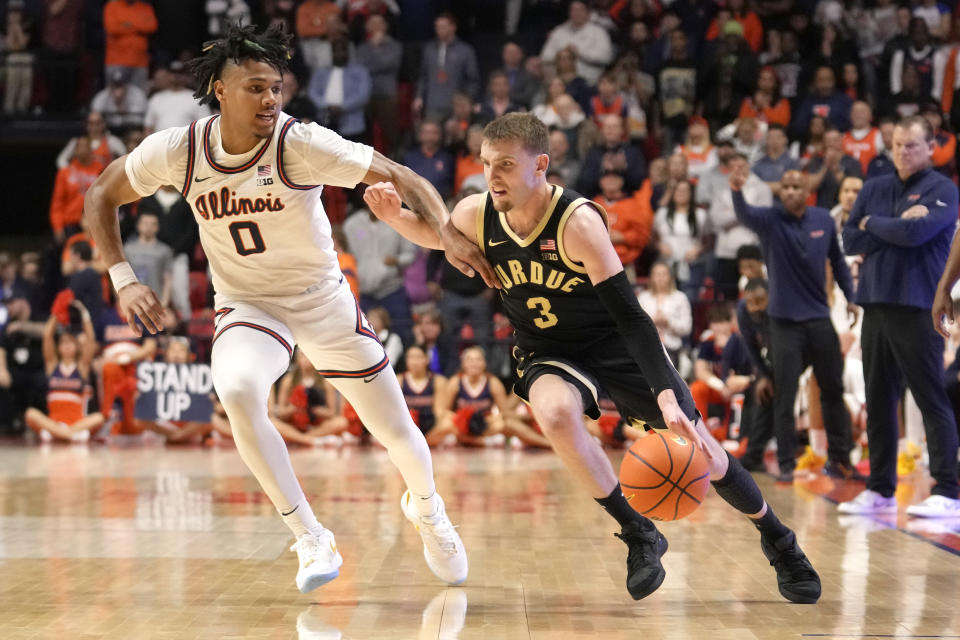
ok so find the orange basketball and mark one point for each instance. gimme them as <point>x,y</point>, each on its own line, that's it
<point>664,477</point>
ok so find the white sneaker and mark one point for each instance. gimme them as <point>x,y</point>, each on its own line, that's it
<point>319,560</point>
<point>935,507</point>
<point>868,502</point>
<point>442,548</point>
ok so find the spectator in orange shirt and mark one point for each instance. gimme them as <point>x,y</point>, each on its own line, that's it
<point>66,206</point>
<point>468,163</point>
<point>737,10</point>
<point>104,145</point>
<point>630,218</point>
<point>316,21</point>
<point>348,263</point>
<point>944,142</point>
<point>767,104</point>
<point>129,24</point>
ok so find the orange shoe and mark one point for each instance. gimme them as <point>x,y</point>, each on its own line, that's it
<point>810,461</point>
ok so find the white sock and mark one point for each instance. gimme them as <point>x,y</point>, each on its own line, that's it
<point>301,520</point>
<point>426,505</point>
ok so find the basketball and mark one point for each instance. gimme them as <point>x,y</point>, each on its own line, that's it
<point>664,476</point>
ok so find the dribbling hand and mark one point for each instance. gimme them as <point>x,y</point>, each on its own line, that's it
<point>677,421</point>
<point>139,301</point>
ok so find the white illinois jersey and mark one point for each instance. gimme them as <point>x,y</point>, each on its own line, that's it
<point>262,224</point>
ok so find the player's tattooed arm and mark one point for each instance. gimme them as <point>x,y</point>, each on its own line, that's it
<point>110,190</point>
<point>426,204</point>
<point>384,201</point>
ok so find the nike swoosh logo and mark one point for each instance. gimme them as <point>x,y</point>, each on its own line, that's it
<point>371,378</point>
<point>493,244</point>
<point>941,204</point>
<point>291,511</point>
<point>333,547</point>
<point>201,179</point>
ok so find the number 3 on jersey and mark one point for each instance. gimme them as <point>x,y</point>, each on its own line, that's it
<point>252,236</point>
<point>542,305</point>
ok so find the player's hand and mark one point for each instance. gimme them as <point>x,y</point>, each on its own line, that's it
<point>383,200</point>
<point>678,422</point>
<point>942,306</point>
<point>765,391</point>
<point>139,301</point>
<point>465,255</point>
<point>915,212</point>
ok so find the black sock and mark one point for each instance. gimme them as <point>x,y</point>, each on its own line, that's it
<point>739,488</point>
<point>741,492</point>
<point>770,526</point>
<point>619,509</point>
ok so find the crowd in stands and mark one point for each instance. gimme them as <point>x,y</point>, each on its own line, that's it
<point>650,105</point>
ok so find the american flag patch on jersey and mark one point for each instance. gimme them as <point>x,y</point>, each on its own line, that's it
<point>548,245</point>
<point>263,171</point>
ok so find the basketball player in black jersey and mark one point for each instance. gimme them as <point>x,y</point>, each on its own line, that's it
<point>580,330</point>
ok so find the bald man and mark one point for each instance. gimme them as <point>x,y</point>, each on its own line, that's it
<point>797,241</point>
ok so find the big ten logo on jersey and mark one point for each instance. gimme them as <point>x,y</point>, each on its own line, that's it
<point>536,274</point>
<point>548,249</point>
<point>174,391</point>
<point>264,175</point>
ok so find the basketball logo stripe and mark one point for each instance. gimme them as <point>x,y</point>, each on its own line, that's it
<point>256,327</point>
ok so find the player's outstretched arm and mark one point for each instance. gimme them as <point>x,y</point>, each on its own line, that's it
<point>384,201</point>
<point>587,241</point>
<point>134,300</point>
<point>426,203</point>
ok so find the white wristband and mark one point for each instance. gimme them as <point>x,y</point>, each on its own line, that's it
<point>121,274</point>
<point>715,383</point>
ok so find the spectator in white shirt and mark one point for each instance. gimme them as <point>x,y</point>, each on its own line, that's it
<point>590,41</point>
<point>730,234</point>
<point>668,308</point>
<point>174,106</point>
<point>121,102</point>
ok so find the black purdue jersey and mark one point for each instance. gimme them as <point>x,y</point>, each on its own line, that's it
<point>547,297</point>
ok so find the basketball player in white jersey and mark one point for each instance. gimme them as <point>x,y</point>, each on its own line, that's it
<point>253,177</point>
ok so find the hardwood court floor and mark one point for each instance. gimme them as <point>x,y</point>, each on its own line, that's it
<point>179,543</point>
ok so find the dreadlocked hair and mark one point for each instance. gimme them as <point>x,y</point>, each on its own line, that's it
<point>238,44</point>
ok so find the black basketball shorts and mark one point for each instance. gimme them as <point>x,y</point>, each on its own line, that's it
<point>608,369</point>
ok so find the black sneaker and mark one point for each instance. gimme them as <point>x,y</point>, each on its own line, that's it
<point>645,573</point>
<point>842,471</point>
<point>796,577</point>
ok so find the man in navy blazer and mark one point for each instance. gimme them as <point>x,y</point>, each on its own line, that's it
<point>902,224</point>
